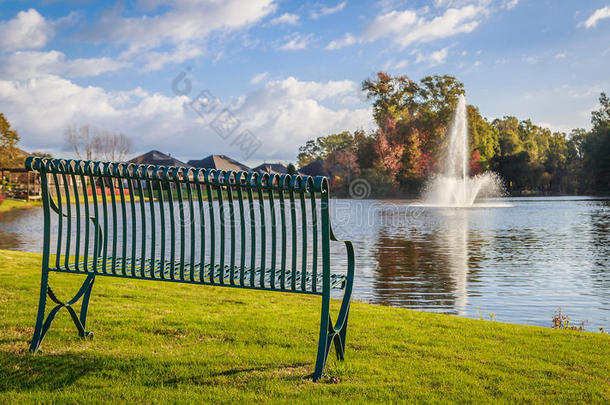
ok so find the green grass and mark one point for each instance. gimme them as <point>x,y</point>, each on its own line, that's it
<point>170,343</point>
<point>9,204</point>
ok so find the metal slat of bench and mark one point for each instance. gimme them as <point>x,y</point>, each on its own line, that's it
<point>229,237</point>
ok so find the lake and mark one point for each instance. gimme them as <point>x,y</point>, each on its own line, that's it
<point>517,264</point>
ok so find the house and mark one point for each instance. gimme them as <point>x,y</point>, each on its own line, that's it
<point>154,157</point>
<point>316,168</point>
<point>271,168</point>
<point>219,162</point>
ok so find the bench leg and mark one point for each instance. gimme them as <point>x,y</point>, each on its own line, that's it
<point>332,333</point>
<point>42,325</point>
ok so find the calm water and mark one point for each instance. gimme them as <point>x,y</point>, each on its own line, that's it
<point>520,263</point>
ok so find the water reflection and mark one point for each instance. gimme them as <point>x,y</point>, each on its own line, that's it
<point>600,246</point>
<point>520,262</point>
<point>21,230</point>
<point>431,269</point>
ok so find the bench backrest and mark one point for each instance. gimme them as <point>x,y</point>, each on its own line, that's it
<point>113,218</point>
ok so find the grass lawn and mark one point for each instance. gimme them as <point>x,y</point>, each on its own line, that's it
<point>8,205</point>
<point>171,343</point>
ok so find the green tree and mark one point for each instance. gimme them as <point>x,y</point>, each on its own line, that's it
<point>601,118</point>
<point>365,149</point>
<point>596,148</point>
<point>392,96</point>
<point>8,142</point>
<point>291,169</point>
<point>556,162</point>
<point>508,136</point>
<point>483,136</point>
<point>324,146</point>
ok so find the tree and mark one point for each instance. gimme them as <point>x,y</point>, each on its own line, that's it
<point>324,146</point>
<point>601,118</point>
<point>44,155</point>
<point>483,137</point>
<point>290,169</point>
<point>308,153</point>
<point>411,162</point>
<point>556,162</point>
<point>388,151</point>
<point>436,100</point>
<point>596,148</point>
<point>508,136</point>
<point>8,143</point>
<point>95,144</point>
<point>475,163</point>
<point>365,149</point>
<point>413,118</point>
<point>391,96</point>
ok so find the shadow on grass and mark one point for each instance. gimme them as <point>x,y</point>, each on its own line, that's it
<point>26,371</point>
<point>41,371</point>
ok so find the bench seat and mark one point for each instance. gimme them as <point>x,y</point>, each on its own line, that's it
<point>144,270</point>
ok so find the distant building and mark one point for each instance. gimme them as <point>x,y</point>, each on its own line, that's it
<point>154,157</point>
<point>219,162</point>
<point>12,157</point>
<point>271,168</point>
<point>316,168</point>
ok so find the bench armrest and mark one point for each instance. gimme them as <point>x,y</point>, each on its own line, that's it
<point>349,247</point>
<point>350,252</point>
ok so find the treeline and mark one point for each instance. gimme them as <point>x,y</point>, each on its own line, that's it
<point>408,146</point>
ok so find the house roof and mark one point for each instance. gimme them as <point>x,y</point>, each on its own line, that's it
<point>221,162</point>
<point>154,157</point>
<point>271,168</point>
<point>16,160</point>
<point>315,168</point>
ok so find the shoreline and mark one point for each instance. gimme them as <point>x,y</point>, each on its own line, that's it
<point>10,204</point>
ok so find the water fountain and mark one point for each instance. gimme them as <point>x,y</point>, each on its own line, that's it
<point>454,187</point>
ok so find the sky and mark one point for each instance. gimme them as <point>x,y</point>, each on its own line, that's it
<point>256,79</point>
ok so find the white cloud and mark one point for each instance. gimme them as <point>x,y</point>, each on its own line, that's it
<point>434,59</point>
<point>347,40</point>
<point>561,55</point>
<point>406,27</point>
<point>395,65</point>
<point>298,42</point>
<point>282,113</point>
<point>219,56</point>
<point>532,60</point>
<point>286,18</point>
<point>154,60</point>
<point>27,30</point>
<point>179,32</point>
<point>290,112</point>
<point>32,64</point>
<point>259,77</point>
<point>599,14</point>
<point>324,11</point>
<point>184,20</point>
<point>509,4</point>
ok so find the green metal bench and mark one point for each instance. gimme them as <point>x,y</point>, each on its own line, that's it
<point>188,225</point>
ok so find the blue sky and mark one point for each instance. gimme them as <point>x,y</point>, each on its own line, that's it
<point>280,73</point>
